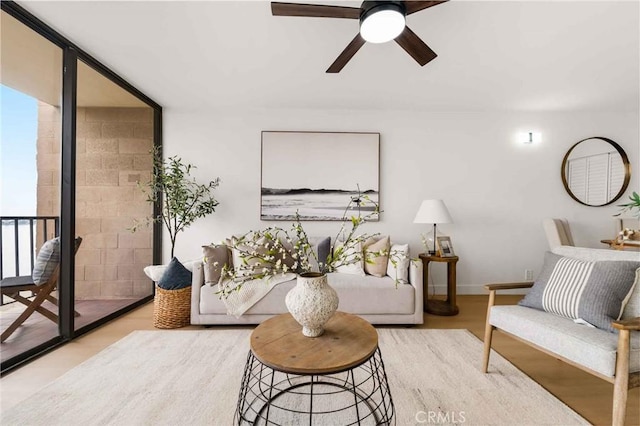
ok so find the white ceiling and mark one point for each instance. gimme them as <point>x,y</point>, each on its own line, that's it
<point>498,55</point>
<point>32,64</point>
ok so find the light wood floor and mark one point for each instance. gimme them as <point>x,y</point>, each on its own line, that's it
<point>587,395</point>
<point>37,329</point>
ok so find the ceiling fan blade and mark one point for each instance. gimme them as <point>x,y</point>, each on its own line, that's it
<point>346,54</point>
<point>417,6</point>
<point>314,10</point>
<point>415,47</point>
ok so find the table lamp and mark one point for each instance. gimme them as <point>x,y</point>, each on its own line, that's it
<point>433,211</point>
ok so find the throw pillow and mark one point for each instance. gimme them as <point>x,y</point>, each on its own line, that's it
<point>155,272</point>
<point>398,265</point>
<point>632,308</point>
<point>46,262</point>
<point>175,277</point>
<point>215,257</point>
<point>284,253</point>
<point>245,262</point>
<point>321,246</point>
<point>376,256</point>
<point>352,255</point>
<point>594,292</point>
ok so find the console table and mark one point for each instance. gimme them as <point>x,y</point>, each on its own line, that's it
<point>440,307</point>
<point>628,245</point>
<point>336,378</point>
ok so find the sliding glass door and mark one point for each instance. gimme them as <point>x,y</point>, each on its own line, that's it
<point>76,140</point>
<point>30,141</point>
<point>114,138</point>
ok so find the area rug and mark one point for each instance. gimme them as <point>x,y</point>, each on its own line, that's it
<point>192,377</point>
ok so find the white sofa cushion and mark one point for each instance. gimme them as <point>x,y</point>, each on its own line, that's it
<point>361,295</point>
<point>372,295</point>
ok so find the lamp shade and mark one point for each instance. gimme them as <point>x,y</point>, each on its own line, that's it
<point>433,211</point>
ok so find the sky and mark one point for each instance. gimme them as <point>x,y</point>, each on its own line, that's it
<point>18,135</point>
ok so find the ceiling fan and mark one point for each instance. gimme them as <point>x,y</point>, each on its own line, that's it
<point>380,21</point>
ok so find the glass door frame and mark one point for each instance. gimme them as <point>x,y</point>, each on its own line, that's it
<point>66,288</point>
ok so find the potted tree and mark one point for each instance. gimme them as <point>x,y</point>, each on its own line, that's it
<point>183,200</point>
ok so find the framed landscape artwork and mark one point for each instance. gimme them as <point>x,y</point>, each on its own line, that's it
<point>317,173</point>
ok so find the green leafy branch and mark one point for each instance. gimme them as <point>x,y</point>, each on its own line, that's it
<point>183,199</point>
<point>630,207</point>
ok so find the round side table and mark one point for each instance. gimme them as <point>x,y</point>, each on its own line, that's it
<point>440,307</point>
<point>336,378</point>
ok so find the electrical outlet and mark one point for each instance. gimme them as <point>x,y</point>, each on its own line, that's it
<point>528,275</point>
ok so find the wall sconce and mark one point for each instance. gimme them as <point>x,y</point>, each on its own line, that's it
<point>530,138</point>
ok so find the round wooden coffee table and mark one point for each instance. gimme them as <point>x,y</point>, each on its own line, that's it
<point>336,378</point>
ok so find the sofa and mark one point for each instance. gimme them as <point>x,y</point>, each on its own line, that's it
<point>376,299</point>
<point>611,354</point>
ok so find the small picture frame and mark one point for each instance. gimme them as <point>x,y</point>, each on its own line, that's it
<point>445,248</point>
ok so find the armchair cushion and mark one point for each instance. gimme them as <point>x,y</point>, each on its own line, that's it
<point>587,346</point>
<point>595,292</point>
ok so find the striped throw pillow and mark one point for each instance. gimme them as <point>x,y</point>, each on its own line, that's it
<point>565,287</point>
<point>595,292</point>
<point>46,261</point>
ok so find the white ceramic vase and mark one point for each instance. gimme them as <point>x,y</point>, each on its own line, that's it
<point>312,302</point>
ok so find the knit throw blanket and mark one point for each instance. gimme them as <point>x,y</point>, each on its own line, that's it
<point>238,302</point>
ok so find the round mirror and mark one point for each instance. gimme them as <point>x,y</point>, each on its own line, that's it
<point>595,171</point>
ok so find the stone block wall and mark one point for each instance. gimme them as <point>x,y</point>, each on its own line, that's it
<point>48,161</point>
<point>112,154</point>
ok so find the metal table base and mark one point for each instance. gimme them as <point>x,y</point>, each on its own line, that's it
<point>357,396</point>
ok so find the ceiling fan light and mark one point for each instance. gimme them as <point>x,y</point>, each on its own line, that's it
<point>382,24</point>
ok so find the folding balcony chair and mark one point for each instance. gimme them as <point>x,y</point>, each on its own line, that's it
<point>11,287</point>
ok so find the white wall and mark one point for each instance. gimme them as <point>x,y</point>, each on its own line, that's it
<point>497,190</point>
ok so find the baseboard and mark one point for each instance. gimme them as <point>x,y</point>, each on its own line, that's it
<point>471,289</point>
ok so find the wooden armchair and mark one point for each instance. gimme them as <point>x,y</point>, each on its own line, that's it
<point>622,379</point>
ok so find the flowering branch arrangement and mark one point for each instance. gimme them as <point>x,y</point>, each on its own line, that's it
<point>272,251</point>
<point>626,234</point>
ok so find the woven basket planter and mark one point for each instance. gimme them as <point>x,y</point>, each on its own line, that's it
<point>172,308</point>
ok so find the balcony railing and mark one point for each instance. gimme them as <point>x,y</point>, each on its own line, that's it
<point>20,236</point>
